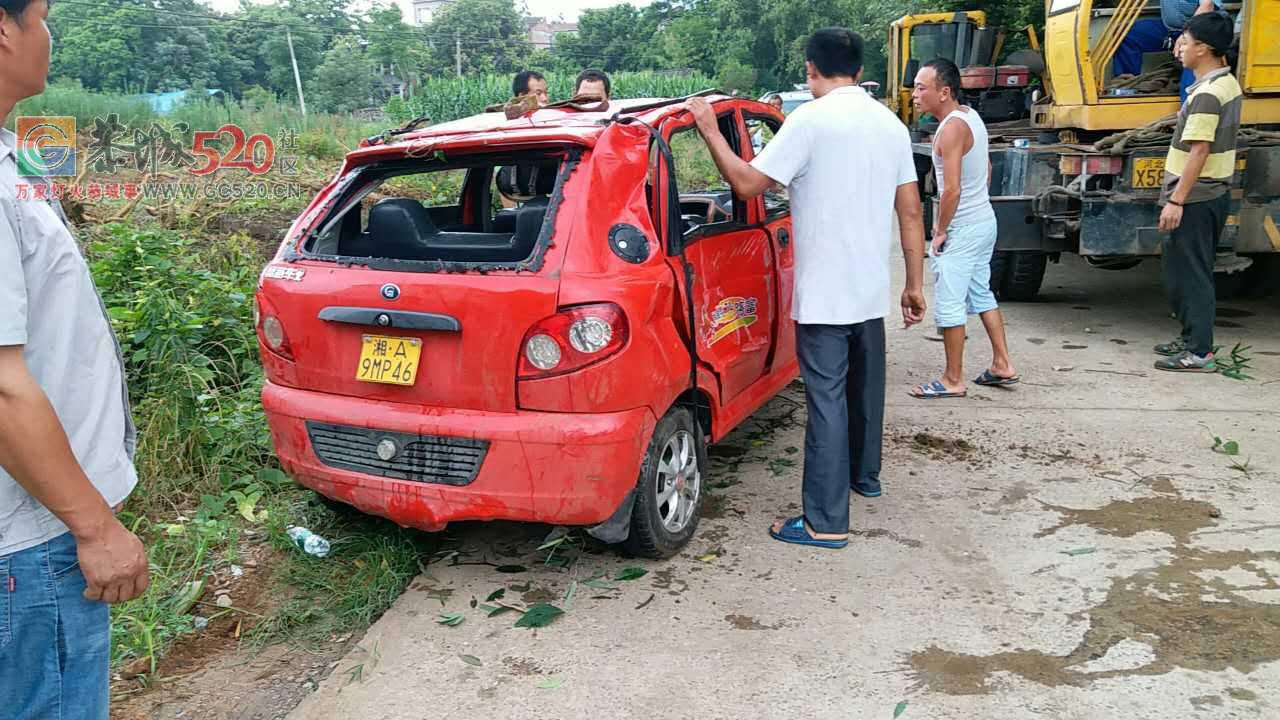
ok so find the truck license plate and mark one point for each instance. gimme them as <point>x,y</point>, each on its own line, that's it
<point>1148,173</point>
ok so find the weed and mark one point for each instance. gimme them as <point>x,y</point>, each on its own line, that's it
<point>1235,366</point>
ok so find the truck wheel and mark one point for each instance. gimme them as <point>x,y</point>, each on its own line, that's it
<point>669,491</point>
<point>1020,274</point>
<point>1262,279</point>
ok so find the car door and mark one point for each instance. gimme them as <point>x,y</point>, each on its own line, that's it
<point>772,211</point>
<point>733,286</point>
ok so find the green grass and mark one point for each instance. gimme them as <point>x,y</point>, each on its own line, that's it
<point>323,136</point>
<point>209,486</point>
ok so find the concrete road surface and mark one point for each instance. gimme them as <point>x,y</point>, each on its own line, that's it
<point>1072,548</point>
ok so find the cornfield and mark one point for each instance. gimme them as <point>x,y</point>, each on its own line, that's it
<point>450,98</point>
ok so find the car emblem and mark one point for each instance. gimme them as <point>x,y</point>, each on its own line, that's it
<point>390,291</point>
<point>387,449</point>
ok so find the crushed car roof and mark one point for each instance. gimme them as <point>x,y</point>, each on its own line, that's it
<point>541,127</point>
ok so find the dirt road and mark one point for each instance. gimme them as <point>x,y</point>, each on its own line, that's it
<point>1069,549</point>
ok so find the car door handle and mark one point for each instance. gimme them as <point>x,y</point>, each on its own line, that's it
<point>399,319</point>
<point>784,238</point>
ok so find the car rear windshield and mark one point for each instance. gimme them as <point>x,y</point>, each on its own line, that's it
<point>475,210</point>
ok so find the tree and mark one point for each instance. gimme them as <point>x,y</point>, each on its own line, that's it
<point>615,38</point>
<point>263,42</point>
<point>395,45</point>
<point>345,80</point>
<point>98,44</point>
<point>491,32</point>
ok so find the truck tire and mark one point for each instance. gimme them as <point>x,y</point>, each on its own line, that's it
<point>1017,276</point>
<point>1259,280</point>
<point>669,492</point>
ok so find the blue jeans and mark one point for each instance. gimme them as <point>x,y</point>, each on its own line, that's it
<point>54,644</point>
<point>962,273</point>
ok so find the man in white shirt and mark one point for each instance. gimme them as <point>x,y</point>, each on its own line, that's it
<point>846,161</point>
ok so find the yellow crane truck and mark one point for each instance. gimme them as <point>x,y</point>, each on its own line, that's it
<point>1078,152</point>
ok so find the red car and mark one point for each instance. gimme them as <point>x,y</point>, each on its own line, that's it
<point>540,319</point>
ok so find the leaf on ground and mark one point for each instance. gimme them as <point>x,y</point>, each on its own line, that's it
<point>1231,447</point>
<point>709,557</point>
<point>568,594</point>
<point>496,611</point>
<point>550,684</point>
<point>521,588</point>
<point>512,569</point>
<point>630,573</point>
<point>471,660</point>
<point>451,619</point>
<point>599,584</point>
<point>496,595</point>
<point>901,708</point>
<point>1080,551</point>
<point>539,615</point>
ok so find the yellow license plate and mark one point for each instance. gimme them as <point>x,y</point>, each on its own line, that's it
<point>389,360</point>
<point>1148,173</point>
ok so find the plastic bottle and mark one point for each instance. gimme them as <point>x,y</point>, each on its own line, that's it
<point>308,542</point>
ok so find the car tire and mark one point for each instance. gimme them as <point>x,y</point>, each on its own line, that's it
<point>674,468</point>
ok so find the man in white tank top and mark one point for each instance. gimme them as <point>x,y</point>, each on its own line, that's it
<point>964,233</point>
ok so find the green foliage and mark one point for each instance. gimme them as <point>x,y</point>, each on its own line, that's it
<point>181,307</point>
<point>344,81</point>
<point>445,99</point>
<point>492,35</point>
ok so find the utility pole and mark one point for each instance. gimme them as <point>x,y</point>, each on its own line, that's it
<point>457,53</point>
<point>297,77</point>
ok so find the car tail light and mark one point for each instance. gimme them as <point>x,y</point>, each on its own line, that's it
<point>573,339</point>
<point>1070,164</point>
<point>271,329</point>
<point>1104,165</point>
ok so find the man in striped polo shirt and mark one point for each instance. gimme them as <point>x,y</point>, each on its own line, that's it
<point>1196,196</point>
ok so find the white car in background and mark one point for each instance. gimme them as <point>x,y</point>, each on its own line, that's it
<point>791,99</point>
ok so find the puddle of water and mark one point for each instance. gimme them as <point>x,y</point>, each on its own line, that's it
<point>1163,606</point>
<point>1174,515</point>
<point>745,622</point>
<point>1233,313</point>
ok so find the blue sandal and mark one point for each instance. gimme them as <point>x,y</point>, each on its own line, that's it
<point>990,379</point>
<point>934,391</point>
<point>794,531</point>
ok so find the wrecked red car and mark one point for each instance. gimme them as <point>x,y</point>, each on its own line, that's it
<point>543,319</point>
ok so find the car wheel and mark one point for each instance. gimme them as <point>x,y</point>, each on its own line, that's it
<point>668,495</point>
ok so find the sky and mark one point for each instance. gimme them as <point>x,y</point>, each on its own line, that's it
<point>544,8</point>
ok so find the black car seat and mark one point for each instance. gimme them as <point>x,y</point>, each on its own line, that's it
<point>529,184</point>
<point>400,229</point>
